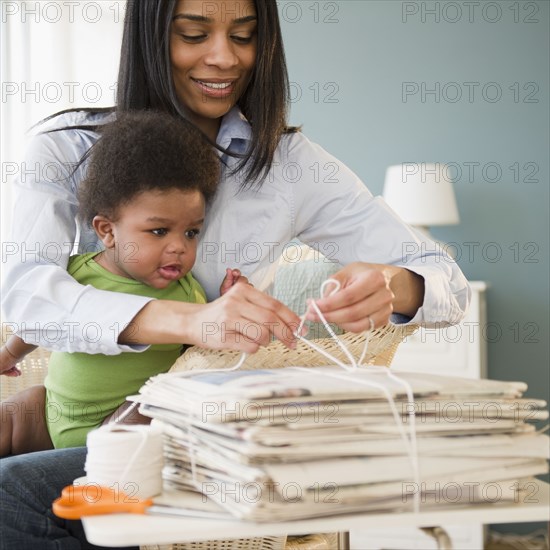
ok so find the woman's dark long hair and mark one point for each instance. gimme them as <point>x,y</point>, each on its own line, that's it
<point>145,76</point>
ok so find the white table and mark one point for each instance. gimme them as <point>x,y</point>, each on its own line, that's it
<point>127,529</point>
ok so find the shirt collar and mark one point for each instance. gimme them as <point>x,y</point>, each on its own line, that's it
<point>235,133</point>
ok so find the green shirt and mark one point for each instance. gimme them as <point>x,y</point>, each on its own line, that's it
<point>83,389</point>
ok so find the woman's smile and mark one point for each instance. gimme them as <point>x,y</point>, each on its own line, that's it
<point>213,54</point>
<point>216,88</point>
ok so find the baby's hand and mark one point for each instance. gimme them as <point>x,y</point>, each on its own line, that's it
<point>232,277</point>
<point>8,363</point>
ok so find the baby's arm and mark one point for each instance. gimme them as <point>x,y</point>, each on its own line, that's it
<point>13,351</point>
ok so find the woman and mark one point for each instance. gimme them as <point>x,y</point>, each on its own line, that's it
<point>221,65</point>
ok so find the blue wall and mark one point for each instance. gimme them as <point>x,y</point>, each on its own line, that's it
<point>348,88</point>
<point>350,62</point>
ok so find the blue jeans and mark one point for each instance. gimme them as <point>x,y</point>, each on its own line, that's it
<point>28,485</point>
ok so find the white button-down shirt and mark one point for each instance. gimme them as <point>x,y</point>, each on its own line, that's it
<point>307,195</point>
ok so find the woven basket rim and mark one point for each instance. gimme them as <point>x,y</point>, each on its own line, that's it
<point>382,345</point>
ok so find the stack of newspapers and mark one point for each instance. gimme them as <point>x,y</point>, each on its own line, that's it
<point>274,445</point>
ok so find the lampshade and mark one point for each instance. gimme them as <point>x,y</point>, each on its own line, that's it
<point>421,193</point>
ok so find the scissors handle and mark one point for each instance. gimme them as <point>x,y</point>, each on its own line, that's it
<point>76,502</point>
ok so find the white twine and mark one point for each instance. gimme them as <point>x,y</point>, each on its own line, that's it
<point>128,458</point>
<point>317,348</point>
<point>409,442</point>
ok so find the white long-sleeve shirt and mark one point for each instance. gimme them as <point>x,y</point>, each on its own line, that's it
<point>308,195</point>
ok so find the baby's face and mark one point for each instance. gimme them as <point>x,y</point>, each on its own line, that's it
<point>156,236</point>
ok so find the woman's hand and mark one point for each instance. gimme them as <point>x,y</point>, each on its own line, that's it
<point>368,295</point>
<point>244,319</point>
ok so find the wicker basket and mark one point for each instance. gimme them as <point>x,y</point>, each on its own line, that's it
<point>257,543</point>
<point>322,541</point>
<point>383,343</point>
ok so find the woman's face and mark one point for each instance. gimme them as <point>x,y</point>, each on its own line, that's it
<point>212,52</point>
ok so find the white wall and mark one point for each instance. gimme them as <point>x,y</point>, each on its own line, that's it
<point>55,55</point>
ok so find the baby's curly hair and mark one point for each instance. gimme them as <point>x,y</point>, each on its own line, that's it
<point>145,151</point>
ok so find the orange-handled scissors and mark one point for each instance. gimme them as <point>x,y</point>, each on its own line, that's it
<point>77,501</point>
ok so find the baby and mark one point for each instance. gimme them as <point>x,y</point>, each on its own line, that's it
<point>148,180</point>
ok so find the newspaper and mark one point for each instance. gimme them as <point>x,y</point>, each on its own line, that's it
<point>296,443</point>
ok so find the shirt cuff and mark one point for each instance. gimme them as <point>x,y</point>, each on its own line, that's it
<point>110,322</point>
<point>442,306</point>
<point>100,331</point>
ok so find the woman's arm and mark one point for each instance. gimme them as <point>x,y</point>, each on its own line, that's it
<point>49,308</point>
<point>339,214</point>
<point>44,304</point>
<point>243,318</point>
